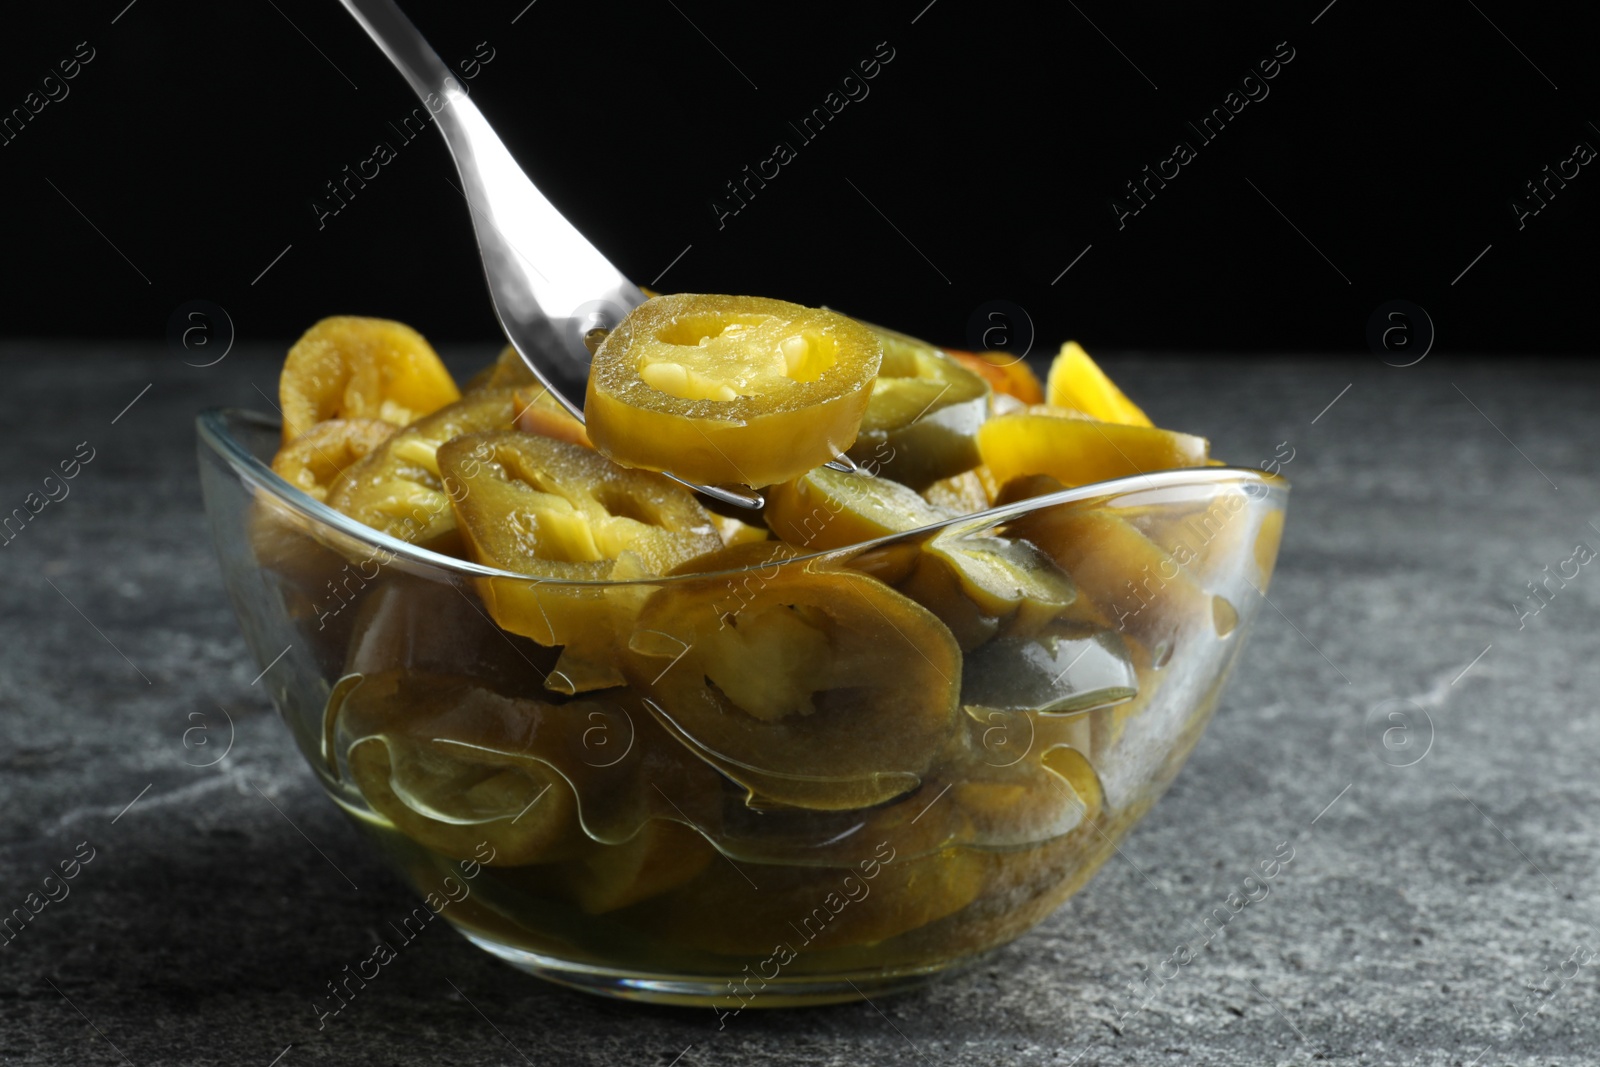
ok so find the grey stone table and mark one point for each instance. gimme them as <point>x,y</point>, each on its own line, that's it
<point>1439,908</point>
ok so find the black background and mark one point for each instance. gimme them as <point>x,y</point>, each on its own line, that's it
<point>983,162</point>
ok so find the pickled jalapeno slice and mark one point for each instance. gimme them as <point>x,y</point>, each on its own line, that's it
<point>730,389</point>
<point>312,461</point>
<point>348,367</point>
<point>661,857</point>
<point>411,624</point>
<point>1005,576</point>
<point>425,752</point>
<point>617,771</point>
<point>750,558</point>
<point>453,805</point>
<point>397,488</point>
<point>1064,669</point>
<point>925,410</point>
<point>544,507</point>
<point>973,584</point>
<point>961,494</point>
<point>564,514</point>
<point>811,688</point>
<point>825,508</point>
<point>1133,585</point>
<point>990,583</point>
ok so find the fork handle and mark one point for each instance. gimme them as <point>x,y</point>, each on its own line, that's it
<point>550,286</point>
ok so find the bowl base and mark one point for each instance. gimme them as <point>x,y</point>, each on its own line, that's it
<point>726,996</point>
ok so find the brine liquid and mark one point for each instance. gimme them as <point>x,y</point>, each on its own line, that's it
<point>745,930</point>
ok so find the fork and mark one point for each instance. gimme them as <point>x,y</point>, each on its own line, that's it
<point>553,292</point>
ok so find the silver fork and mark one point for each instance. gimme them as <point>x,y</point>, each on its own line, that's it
<point>552,290</point>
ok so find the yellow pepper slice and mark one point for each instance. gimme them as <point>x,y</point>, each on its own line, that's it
<point>1075,381</point>
<point>1081,451</point>
<point>348,367</point>
<point>723,389</point>
<point>925,409</point>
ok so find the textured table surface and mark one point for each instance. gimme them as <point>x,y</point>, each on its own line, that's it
<point>1436,912</point>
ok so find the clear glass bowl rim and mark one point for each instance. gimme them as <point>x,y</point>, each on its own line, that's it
<point>213,428</point>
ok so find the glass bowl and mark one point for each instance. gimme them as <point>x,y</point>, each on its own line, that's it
<point>799,781</point>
